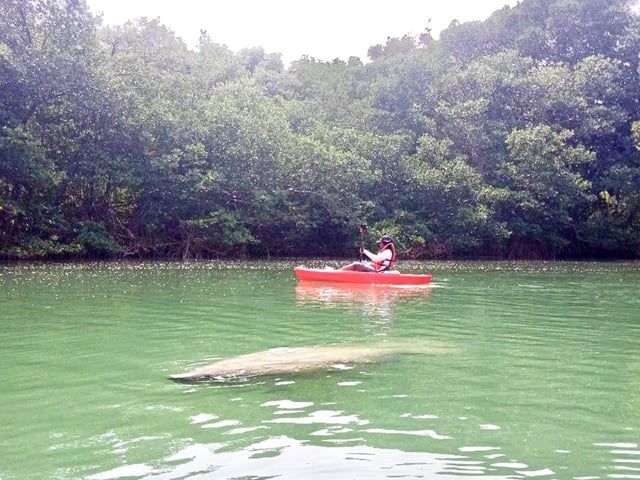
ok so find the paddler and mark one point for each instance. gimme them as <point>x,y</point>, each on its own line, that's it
<point>379,262</point>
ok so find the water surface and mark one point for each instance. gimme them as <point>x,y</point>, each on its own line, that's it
<point>543,380</point>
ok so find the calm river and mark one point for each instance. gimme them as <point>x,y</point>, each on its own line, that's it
<point>524,370</point>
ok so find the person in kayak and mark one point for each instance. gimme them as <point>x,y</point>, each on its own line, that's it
<point>380,262</point>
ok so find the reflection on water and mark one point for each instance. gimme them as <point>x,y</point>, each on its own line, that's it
<point>284,457</point>
<point>290,459</point>
<point>374,300</point>
<point>339,444</point>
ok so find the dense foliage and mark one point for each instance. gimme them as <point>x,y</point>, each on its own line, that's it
<point>516,137</point>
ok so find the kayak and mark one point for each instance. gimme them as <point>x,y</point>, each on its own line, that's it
<point>350,276</point>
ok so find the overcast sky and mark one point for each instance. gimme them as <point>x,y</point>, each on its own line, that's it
<point>324,29</point>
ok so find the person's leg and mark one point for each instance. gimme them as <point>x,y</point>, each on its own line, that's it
<point>358,267</point>
<point>351,266</point>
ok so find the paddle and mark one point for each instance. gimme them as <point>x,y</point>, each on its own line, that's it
<point>363,232</point>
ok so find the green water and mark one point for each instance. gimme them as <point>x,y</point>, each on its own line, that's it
<point>542,379</point>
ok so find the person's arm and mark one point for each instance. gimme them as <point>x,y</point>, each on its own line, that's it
<point>378,257</point>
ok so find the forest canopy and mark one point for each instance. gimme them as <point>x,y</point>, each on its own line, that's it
<point>516,137</point>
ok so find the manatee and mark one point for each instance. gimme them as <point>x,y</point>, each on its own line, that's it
<point>296,360</point>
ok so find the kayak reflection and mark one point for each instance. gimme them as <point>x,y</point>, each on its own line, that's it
<point>372,299</point>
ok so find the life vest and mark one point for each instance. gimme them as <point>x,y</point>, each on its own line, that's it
<point>386,264</point>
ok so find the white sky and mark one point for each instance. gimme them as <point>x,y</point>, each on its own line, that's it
<point>325,30</point>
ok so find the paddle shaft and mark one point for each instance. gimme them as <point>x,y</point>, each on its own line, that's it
<point>363,232</point>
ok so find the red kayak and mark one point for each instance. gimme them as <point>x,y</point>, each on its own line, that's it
<point>350,276</point>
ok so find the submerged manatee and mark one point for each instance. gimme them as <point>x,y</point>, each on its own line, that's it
<point>288,360</point>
